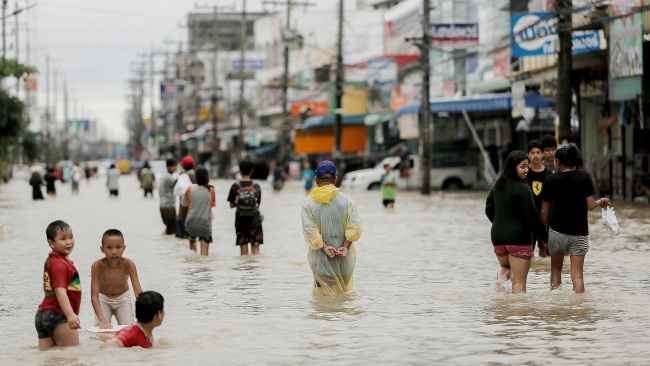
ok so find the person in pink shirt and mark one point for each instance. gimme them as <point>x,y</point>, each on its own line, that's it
<point>150,312</point>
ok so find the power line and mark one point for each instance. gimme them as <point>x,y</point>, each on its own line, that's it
<point>106,11</point>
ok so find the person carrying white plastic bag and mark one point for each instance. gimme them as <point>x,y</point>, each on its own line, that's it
<point>567,197</point>
<point>609,221</point>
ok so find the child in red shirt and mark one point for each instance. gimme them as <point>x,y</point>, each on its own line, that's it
<point>62,292</point>
<point>150,312</point>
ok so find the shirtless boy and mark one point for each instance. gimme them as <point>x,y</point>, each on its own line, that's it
<point>109,287</point>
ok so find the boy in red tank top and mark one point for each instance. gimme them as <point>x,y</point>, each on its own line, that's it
<point>150,312</point>
<point>62,292</point>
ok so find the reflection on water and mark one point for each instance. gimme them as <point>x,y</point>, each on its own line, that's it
<point>423,287</point>
<point>336,307</point>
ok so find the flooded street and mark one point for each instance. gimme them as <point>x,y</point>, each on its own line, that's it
<point>423,286</point>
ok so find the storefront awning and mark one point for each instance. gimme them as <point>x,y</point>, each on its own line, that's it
<point>375,118</point>
<point>316,122</point>
<point>474,103</point>
<point>266,148</point>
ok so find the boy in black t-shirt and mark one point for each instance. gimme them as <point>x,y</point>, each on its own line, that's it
<point>537,173</point>
<point>248,219</point>
<point>548,144</point>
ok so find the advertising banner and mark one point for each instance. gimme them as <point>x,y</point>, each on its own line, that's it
<point>535,34</point>
<point>454,34</point>
<point>382,76</point>
<point>626,50</point>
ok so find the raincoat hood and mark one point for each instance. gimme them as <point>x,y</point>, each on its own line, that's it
<point>324,194</point>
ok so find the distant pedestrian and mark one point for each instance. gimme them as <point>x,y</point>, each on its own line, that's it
<point>57,318</point>
<point>36,181</point>
<point>50,180</point>
<point>112,178</point>
<point>147,179</point>
<point>548,144</point>
<point>330,224</point>
<point>167,198</point>
<point>75,178</point>
<point>88,172</point>
<point>186,178</point>
<point>279,177</point>
<point>199,200</point>
<point>308,175</point>
<point>387,188</point>
<point>537,174</point>
<point>246,197</point>
<point>566,198</point>
<point>510,208</point>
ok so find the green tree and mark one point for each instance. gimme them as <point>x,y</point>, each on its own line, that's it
<point>12,121</point>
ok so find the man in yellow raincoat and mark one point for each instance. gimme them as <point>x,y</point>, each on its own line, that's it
<point>330,223</point>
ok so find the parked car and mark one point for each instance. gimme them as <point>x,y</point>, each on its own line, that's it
<point>442,177</point>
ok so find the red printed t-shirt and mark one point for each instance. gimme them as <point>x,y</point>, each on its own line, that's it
<point>132,336</point>
<point>60,272</point>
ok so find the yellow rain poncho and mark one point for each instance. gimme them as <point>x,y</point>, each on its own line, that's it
<point>329,217</point>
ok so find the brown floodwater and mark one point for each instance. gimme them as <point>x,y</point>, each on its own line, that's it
<point>423,286</point>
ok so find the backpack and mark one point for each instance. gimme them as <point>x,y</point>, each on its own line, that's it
<point>247,201</point>
<point>147,180</point>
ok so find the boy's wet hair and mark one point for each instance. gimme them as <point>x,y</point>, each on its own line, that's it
<point>202,176</point>
<point>246,167</point>
<point>534,144</point>
<point>171,162</point>
<point>569,156</point>
<point>548,141</point>
<point>148,304</point>
<point>54,227</point>
<point>112,232</point>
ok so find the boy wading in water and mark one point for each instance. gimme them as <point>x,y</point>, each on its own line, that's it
<point>57,318</point>
<point>150,311</point>
<point>109,287</point>
<point>199,200</point>
<point>537,173</point>
<point>388,188</point>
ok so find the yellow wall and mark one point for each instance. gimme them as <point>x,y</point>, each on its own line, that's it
<point>321,141</point>
<point>354,100</point>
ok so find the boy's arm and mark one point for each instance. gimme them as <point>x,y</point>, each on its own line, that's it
<point>135,281</point>
<point>64,302</point>
<point>94,297</point>
<point>112,343</point>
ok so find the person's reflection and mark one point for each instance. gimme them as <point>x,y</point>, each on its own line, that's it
<point>334,307</point>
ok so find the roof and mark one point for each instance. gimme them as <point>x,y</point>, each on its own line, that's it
<point>316,122</point>
<point>474,103</point>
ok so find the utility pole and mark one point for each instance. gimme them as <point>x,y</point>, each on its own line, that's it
<point>4,29</point>
<point>215,91</point>
<point>17,50</point>
<point>425,144</point>
<point>284,128</point>
<point>47,110</point>
<point>338,122</point>
<point>564,68</point>
<point>66,149</point>
<point>242,46</point>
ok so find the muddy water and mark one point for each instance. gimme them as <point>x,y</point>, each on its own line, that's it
<point>422,294</point>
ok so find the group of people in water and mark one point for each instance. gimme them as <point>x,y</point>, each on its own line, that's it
<point>330,222</point>
<point>531,204</point>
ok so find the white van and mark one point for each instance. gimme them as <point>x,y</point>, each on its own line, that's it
<point>454,177</point>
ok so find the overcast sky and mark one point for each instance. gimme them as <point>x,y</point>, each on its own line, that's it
<point>92,45</point>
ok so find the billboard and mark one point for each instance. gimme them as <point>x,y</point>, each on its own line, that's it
<point>626,49</point>
<point>454,34</point>
<point>535,34</point>
<point>382,76</point>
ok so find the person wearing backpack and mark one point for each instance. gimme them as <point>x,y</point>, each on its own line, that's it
<point>147,179</point>
<point>246,197</point>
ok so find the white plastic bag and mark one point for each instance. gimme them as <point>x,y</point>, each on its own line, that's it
<point>609,221</point>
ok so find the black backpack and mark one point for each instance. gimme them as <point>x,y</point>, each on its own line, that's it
<point>247,201</point>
